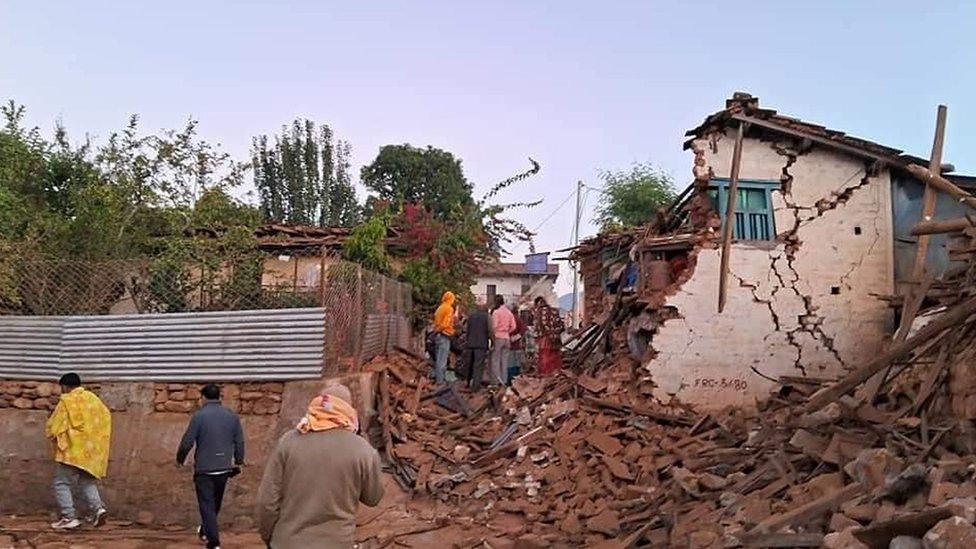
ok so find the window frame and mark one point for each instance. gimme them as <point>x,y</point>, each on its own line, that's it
<point>721,185</point>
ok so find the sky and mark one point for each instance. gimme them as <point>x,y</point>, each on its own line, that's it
<point>578,86</point>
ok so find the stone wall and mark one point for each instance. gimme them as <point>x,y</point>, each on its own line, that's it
<point>142,477</point>
<point>805,304</point>
<point>251,399</point>
<point>27,395</point>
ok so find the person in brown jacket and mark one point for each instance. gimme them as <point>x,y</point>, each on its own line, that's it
<point>317,476</point>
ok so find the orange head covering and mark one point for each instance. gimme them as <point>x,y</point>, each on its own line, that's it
<point>330,410</point>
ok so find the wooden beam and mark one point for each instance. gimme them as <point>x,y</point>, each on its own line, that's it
<point>781,540</point>
<point>942,184</point>
<point>954,316</point>
<point>855,151</point>
<point>803,513</point>
<point>723,277</point>
<point>915,524</point>
<point>928,198</point>
<point>941,227</point>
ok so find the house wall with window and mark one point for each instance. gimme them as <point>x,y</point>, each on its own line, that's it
<point>805,274</point>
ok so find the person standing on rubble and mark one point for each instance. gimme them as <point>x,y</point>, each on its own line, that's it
<point>476,344</point>
<point>316,477</point>
<point>549,327</point>
<point>79,430</point>
<point>219,439</point>
<point>502,325</point>
<point>443,333</point>
<point>517,351</point>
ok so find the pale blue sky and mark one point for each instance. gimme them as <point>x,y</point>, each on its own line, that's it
<point>579,86</point>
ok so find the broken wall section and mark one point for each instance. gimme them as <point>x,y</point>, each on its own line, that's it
<point>801,305</point>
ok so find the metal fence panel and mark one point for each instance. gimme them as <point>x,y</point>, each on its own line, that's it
<point>276,344</point>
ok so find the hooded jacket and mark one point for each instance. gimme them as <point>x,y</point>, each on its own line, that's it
<point>444,315</point>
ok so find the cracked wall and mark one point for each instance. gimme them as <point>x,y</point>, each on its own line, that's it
<point>803,305</point>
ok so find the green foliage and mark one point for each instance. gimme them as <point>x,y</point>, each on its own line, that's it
<point>428,285</point>
<point>367,243</point>
<point>165,196</point>
<point>431,177</point>
<point>304,177</point>
<point>633,197</point>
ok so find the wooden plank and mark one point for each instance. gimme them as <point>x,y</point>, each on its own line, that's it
<point>879,535</point>
<point>803,513</point>
<point>942,184</point>
<point>942,226</point>
<point>928,198</point>
<point>954,316</point>
<point>723,280</point>
<point>782,540</point>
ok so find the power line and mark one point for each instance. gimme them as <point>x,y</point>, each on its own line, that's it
<point>547,218</point>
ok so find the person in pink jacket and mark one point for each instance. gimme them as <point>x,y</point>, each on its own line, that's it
<point>502,326</point>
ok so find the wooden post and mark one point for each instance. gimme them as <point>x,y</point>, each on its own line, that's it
<point>295,275</point>
<point>322,277</point>
<point>723,275</point>
<point>928,199</point>
<point>357,319</point>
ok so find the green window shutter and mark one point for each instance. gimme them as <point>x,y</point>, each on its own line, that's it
<point>753,208</point>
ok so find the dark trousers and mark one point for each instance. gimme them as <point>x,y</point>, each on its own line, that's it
<point>474,360</point>
<point>210,494</point>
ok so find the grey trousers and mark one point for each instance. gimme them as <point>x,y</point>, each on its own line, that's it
<point>65,477</point>
<point>499,362</point>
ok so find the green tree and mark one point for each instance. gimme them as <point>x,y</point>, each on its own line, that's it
<point>304,176</point>
<point>430,177</point>
<point>632,197</point>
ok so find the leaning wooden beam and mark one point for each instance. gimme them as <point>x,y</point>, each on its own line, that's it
<point>941,227</point>
<point>803,513</point>
<point>723,277</point>
<point>942,184</point>
<point>928,198</point>
<point>955,315</point>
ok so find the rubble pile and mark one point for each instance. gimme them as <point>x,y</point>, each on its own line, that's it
<point>587,458</point>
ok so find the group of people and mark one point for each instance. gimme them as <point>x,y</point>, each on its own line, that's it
<point>292,510</point>
<point>496,337</point>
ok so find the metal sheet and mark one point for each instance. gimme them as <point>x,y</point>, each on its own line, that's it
<point>219,346</point>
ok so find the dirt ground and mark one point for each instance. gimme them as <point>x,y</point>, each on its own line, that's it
<point>399,521</point>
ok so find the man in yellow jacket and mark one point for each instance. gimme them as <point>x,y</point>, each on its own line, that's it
<point>444,331</point>
<point>79,431</point>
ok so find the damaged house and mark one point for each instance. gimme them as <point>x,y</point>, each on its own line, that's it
<point>821,252</point>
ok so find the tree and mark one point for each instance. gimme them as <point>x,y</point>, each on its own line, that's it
<point>632,197</point>
<point>304,177</point>
<point>430,177</point>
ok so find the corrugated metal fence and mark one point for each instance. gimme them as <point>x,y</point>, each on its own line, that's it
<point>382,332</point>
<point>277,344</point>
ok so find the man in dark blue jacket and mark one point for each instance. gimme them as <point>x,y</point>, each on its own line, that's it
<point>216,432</point>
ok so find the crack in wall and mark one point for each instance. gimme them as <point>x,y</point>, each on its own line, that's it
<point>789,334</point>
<point>810,322</point>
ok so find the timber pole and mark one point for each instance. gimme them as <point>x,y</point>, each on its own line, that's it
<point>723,280</point>
<point>928,199</point>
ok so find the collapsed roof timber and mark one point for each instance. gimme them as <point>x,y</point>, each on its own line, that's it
<point>822,251</point>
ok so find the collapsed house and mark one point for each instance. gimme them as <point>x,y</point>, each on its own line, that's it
<point>821,251</point>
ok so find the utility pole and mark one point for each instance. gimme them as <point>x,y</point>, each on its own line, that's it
<point>576,227</point>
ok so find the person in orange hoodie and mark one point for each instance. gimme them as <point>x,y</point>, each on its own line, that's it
<point>444,331</point>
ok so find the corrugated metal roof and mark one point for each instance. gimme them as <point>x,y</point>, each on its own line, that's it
<point>275,344</point>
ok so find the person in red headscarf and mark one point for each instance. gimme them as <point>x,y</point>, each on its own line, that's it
<point>549,327</point>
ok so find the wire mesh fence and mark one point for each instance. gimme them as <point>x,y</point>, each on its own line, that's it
<point>365,312</point>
